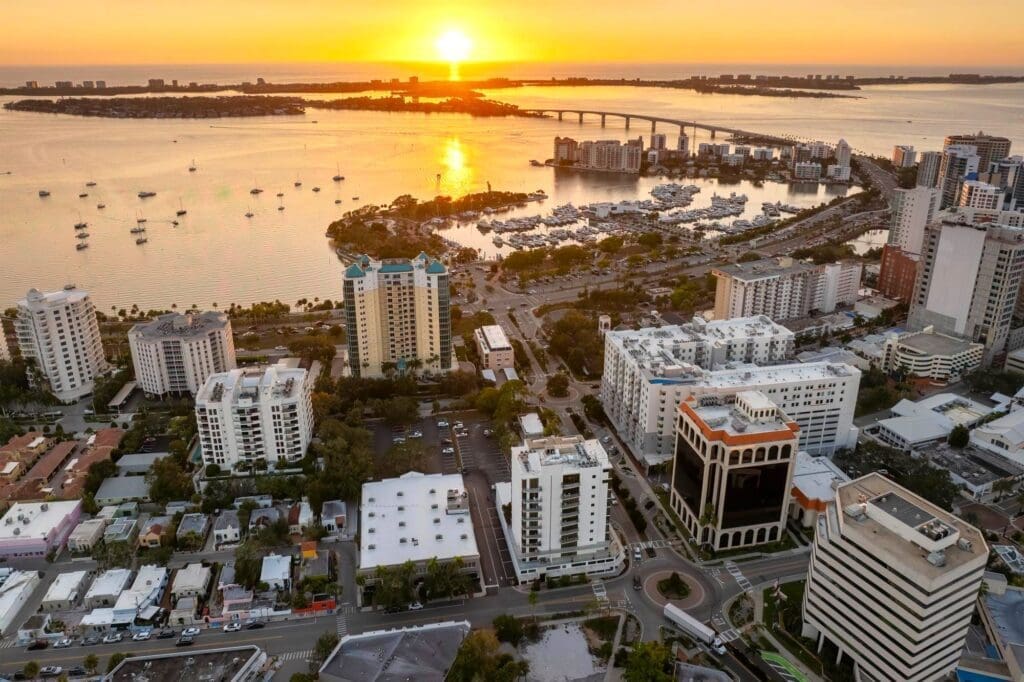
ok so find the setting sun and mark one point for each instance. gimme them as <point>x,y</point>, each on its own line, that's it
<point>453,46</point>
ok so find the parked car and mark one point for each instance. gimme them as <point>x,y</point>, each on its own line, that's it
<point>442,424</point>
<point>90,640</point>
<point>233,627</point>
<point>77,671</point>
<point>62,643</point>
<point>606,440</point>
<point>458,425</point>
<point>190,632</point>
<point>37,645</point>
<point>50,671</point>
<point>636,554</point>
<point>488,433</point>
<point>255,625</point>
<point>167,633</point>
<point>447,451</point>
<point>398,439</point>
<point>142,636</point>
<point>185,641</point>
<point>415,606</point>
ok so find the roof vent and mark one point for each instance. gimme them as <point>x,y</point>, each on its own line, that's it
<point>964,544</point>
<point>937,559</point>
<point>371,546</point>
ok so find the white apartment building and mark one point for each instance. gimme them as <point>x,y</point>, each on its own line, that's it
<point>496,352</point>
<point>928,169</point>
<point>892,581</point>
<point>806,170</point>
<point>977,194</point>
<point>763,154</point>
<point>969,280</point>
<point>733,469</point>
<point>843,154</point>
<point>398,316</point>
<point>1003,436</point>
<point>912,211</point>
<point>59,333</point>
<point>819,396</point>
<point>903,156</point>
<point>659,141</point>
<point>783,288</point>
<point>639,387</point>
<point>611,155</point>
<point>838,173</point>
<point>175,353</point>
<point>958,162</point>
<point>929,354</point>
<point>559,509</point>
<point>683,143</point>
<point>255,414</point>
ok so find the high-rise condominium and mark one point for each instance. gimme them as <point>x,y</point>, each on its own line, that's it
<point>255,415</point>
<point>175,353</point>
<point>988,147</point>
<point>892,581</point>
<point>59,333</point>
<point>928,169</point>
<point>970,279</point>
<point>959,163</point>
<point>398,316</point>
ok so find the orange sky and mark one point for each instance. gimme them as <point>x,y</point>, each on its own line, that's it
<point>904,32</point>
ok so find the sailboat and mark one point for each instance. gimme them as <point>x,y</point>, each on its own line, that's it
<point>181,210</point>
<point>192,168</point>
<point>249,213</point>
<point>298,182</point>
<point>81,224</point>
<point>339,177</point>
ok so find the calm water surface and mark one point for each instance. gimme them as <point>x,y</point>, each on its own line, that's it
<point>218,255</point>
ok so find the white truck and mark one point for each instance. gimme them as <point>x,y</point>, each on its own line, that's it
<point>694,628</point>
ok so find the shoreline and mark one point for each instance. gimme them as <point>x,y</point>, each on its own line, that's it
<point>767,86</point>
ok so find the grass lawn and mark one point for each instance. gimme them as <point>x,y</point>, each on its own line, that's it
<point>674,587</point>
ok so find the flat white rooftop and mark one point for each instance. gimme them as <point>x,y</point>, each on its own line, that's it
<point>65,586</point>
<point>563,451</point>
<point>495,338</point>
<point>407,519</point>
<point>250,384</point>
<point>748,375</point>
<point>814,477</point>
<point>109,583</point>
<point>34,520</point>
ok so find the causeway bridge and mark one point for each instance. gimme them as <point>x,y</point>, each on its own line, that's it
<point>654,121</point>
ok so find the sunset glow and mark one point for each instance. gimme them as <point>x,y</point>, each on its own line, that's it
<point>732,31</point>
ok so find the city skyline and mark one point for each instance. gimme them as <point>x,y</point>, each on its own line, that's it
<point>738,31</point>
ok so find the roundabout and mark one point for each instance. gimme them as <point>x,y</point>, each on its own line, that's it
<point>652,591</point>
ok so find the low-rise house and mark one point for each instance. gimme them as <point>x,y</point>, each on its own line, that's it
<point>15,592</point>
<point>178,507</point>
<point>236,599</point>
<point>814,481</point>
<point>192,530</point>
<point>227,529</point>
<point>300,516</point>
<point>118,489</point>
<point>121,530</point>
<point>153,530</point>
<point>916,424</point>
<point>277,572</point>
<point>107,587</point>
<point>65,591</point>
<point>261,501</point>
<point>314,562</point>
<point>139,463</point>
<point>85,535</point>
<point>141,601</point>
<point>333,517</point>
<point>191,581</point>
<point>184,611</point>
<point>263,517</point>
<point>124,510</point>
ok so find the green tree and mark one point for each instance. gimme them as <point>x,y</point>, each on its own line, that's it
<point>91,663</point>
<point>248,564</point>
<point>558,385</point>
<point>98,472</point>
<point>478,660</point>
<point>508,629</point>
<point>168,481</point>
<point>393,585</point>
<point>325,644</point>
<point>959,437</point>
<point>31,670</point>
<point>402,458</point>
<point>115,659</point>
<point>648,662</point>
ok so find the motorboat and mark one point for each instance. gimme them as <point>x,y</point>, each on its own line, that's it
<point>44,193</point>
<point>181,209</point>
<point>101,206</point>
<point>141,240</point>
<point>192,168</point>
<point>83,195</point>
<point>90,184</point>
<point>82,235</point>
<point>256,190</point>
<point>81,246</point>
<point>316,189</point>
<point>338,177</point>
<point>146,195</point>
<point>138,229</point>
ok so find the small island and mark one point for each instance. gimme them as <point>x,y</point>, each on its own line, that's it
<point>164,107</point>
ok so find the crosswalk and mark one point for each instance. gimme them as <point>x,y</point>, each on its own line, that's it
<point>736,573</point>
<point>342,624</point>
<point>652,544</point>
<point>726,633</point>
<point>8,643</point>
<point>296,655</point>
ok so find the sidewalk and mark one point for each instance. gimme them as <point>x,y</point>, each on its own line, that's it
<point>758,596</point>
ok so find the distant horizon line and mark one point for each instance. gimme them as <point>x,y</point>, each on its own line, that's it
<point>530,62</point>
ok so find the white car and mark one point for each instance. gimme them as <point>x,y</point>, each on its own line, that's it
<point>51,671</point>
<point>442,424</point>
<point>141,636</point>
<point>415,606</point>
<point>458,425</point>
<point>62,643</point>
<point>113,638</point>
<point>233,627</point>
<point>398,439</point>
<point>416,434</point>
<point>190,632</point>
